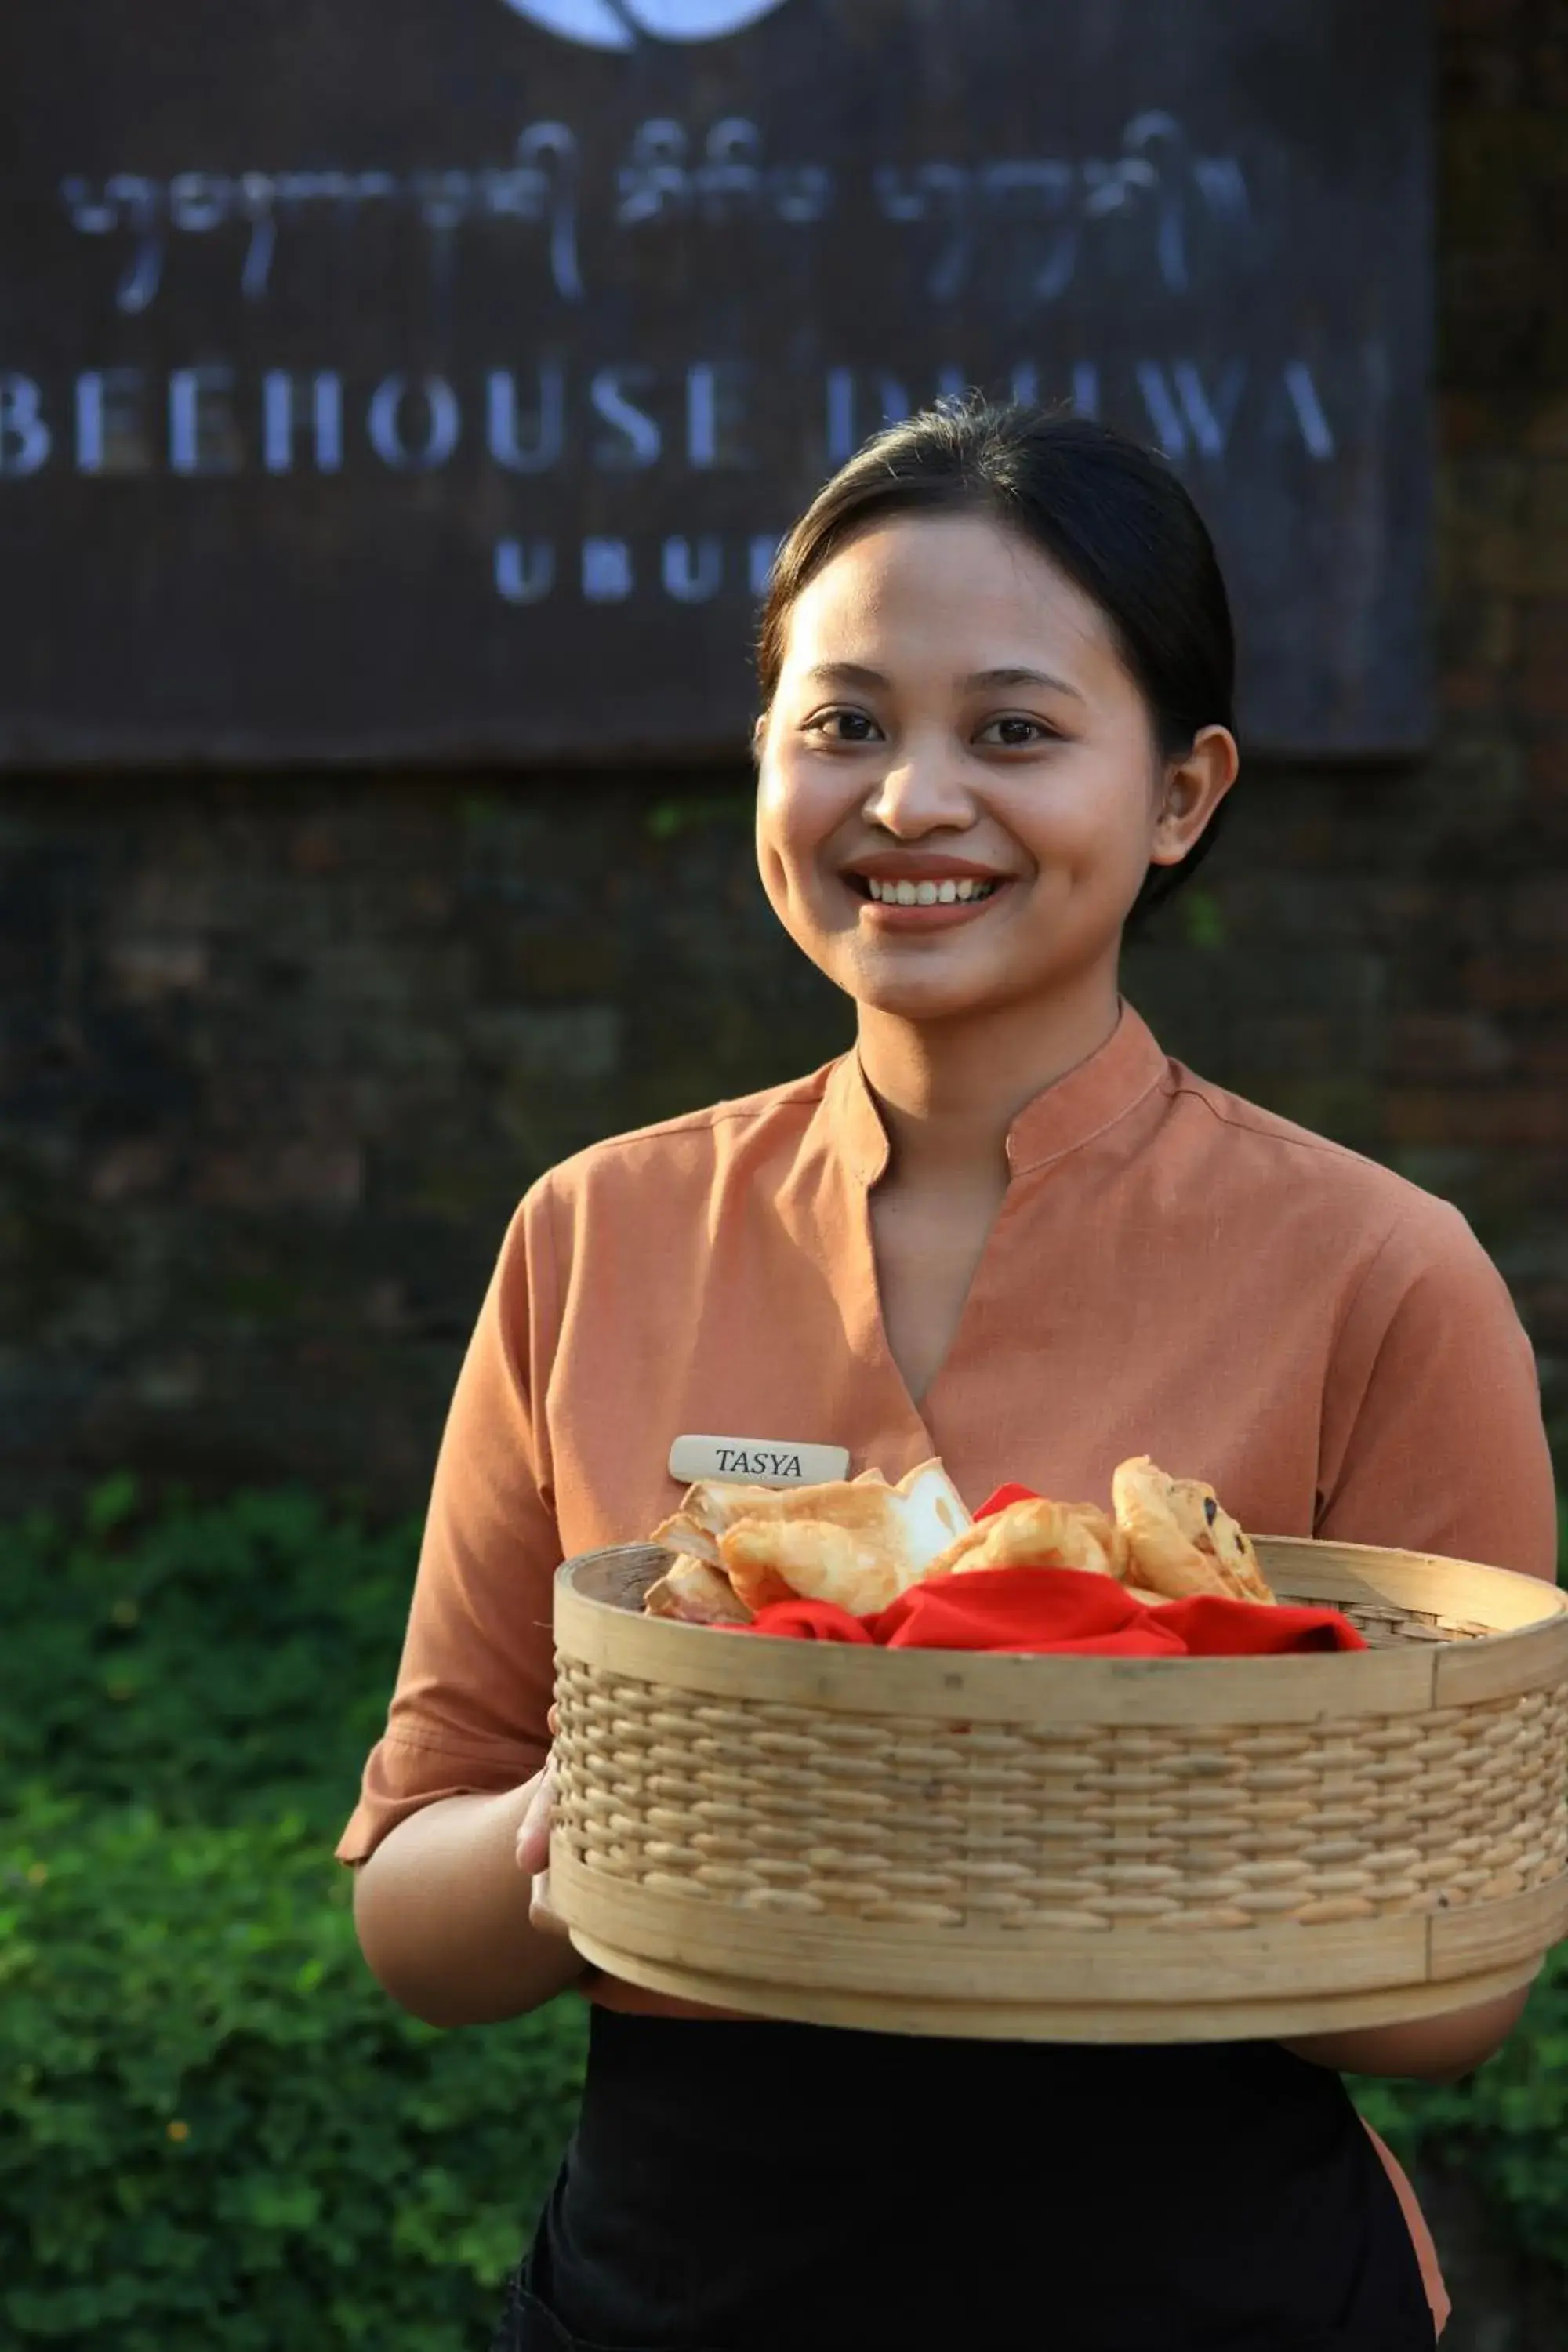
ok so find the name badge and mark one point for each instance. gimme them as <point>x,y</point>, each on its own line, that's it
<point>757,1461</point>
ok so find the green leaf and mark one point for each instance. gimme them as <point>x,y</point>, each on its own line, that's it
<point>1202,921</point>
<point>667,819</point>
<point>111,1503</point>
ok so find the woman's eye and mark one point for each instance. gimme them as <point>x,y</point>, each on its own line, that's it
<point>844,727</point>
<point>1017,733</point>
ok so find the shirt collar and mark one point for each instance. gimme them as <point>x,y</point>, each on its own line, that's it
<point>1062,1117</point>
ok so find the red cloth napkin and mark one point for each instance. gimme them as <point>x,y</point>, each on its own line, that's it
<point>1060,1611</point>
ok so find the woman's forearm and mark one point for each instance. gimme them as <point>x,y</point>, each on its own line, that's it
<point>1435,2049</point>
<point>442,1912</point>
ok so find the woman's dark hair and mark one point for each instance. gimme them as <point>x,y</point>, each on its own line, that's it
<point>1106,511</point>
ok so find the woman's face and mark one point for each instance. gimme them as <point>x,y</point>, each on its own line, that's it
<point>953,723</point>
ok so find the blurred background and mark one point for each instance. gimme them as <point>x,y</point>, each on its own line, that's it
<point>398,409</point>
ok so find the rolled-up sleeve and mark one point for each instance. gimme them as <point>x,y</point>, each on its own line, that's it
<point>1432,1434</point>
<point>468,1710</point>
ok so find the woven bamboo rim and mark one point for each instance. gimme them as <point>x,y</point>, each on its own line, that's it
<point>1072,1849</point>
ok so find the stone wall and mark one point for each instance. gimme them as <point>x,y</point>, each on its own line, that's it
<point>277,1055</point>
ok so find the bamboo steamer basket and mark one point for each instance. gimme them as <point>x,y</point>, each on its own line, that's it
<point>1072,1849</point>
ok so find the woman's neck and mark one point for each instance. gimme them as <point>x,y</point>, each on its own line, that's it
<point>949,1091</point>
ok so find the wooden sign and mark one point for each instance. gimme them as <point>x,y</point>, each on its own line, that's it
<point>433,379</point>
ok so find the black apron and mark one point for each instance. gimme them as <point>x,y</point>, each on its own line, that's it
<point>761,2187</point>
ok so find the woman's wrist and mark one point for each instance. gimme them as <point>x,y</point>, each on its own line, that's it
<point>1432,2049</point>
<point>443,1914</point>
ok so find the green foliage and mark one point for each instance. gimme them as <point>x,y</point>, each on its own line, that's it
<point>215,2129</point>
<point>216,1663</point>
<point>1202,923</point>
<point>1506,2128</point>
<point>668,820</point>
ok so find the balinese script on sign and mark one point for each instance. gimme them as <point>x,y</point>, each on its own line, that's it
<point>438,381</point>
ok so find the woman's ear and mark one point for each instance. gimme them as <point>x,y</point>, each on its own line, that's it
<point>1192,789</point>
<point>758,734</point>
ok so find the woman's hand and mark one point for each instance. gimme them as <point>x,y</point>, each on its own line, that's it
<point>1432,2049</point>
<point>453,1907</point>
<point>533,1842</point>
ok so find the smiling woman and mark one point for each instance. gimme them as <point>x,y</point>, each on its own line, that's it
<point>1006,1230</point>
<point>1087,551</point>
<point>1044,778</point>
<point>998,668</point>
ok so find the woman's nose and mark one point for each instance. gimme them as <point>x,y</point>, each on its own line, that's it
<point>919,790</point>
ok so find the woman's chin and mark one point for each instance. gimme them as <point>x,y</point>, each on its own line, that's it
<point>929,996</point>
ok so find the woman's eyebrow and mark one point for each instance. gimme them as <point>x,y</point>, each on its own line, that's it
<point>984,677</point>
<point>846,674</point>
<point>857,673</point>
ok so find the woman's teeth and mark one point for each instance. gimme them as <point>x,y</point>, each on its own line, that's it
<point>928,894</point>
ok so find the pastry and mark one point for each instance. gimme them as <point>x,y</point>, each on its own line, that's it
<point>860,1536</point>
<point>696,1595</point>
<point>1040,1534</point>
<point>1181,1538</point>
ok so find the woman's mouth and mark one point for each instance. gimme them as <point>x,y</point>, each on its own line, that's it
<point>946,893</point>
<point>932,902</point>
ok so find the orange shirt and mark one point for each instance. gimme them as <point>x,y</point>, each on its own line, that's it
<point>1173,1272</point>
